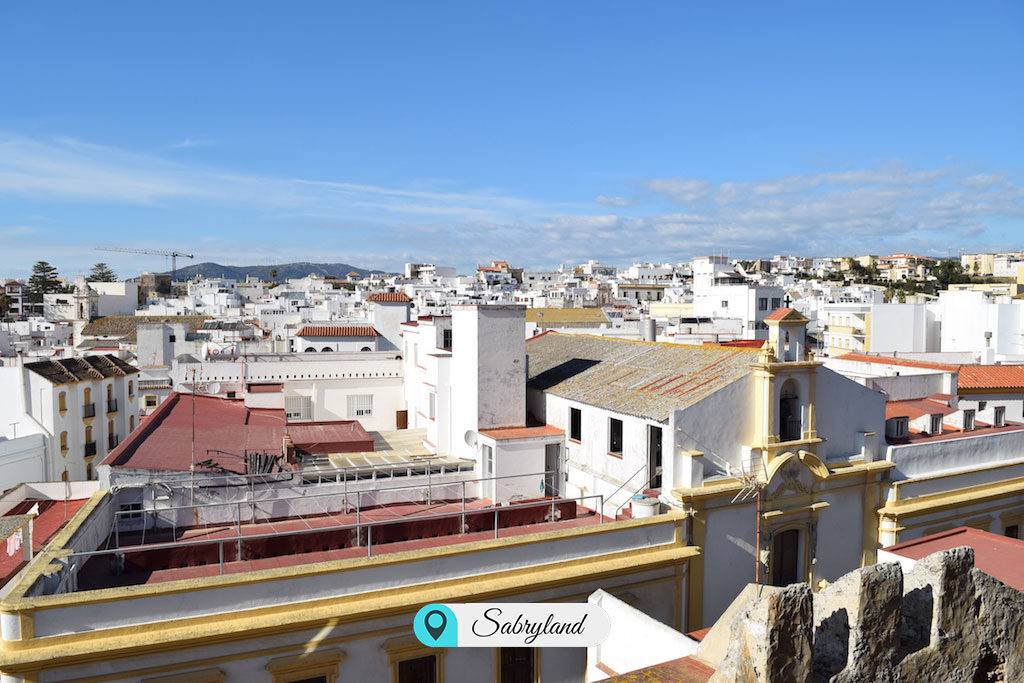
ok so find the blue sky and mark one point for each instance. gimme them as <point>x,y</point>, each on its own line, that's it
<point>533,132</point>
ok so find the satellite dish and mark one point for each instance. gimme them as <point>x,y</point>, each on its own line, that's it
<point>470,438</point>
<point>213,388</point>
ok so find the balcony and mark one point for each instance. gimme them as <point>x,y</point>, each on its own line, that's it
<point>89,410</point>
<point>90,449</point>
<point>112,406</point>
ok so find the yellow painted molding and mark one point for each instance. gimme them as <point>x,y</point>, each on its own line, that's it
<point>16,600</point>
<point>937,502</point>
<point>175,635</point>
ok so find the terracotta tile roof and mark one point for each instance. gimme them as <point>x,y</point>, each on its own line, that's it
<point>509,433</point>
<point>916,408</point>
<point>125,326</point>
<point>785,314</point>
<point>389,297</point>
<point>645,379</point>
<point>741,343</point>
<point>991,377</point>
<point>891,360</point>
<point>84,369</point>
<point>317,331</point>
<point>998,556</point>
<point>682,670</point>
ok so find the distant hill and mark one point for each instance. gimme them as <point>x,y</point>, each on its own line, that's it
<point>285,271</point>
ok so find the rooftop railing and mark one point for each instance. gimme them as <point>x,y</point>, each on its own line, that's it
<point>75,561</point>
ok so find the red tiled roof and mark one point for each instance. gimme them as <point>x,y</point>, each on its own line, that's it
<point>682,670</point>
<point>991,377</point>
<point>741,343</point>
<point>389,297</point>
<point>916,408</point>
<point>338,331</point>
<point>265,388</point>
<point>892,360</point>
<point>998,556</point>
<point>51,516</point>
<point>781,313</point>
<point>223,426</point>
<point>509,433</point>
<point>15,282</point>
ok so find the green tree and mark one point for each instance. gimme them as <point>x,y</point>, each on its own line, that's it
<point>101,272</point>
<point>949,272</point>
<point>273,273</point>
<point>43,281</point>
<point>5,305</point>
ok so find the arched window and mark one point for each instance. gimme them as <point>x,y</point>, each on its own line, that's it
<point>88,434</point>
<point>131,390</point>
<point>131,422</point>
<point>310,349</point>
<point>63,443</point>
<point>87,396</point>
<point>88,470</point>
<point>785,557</point>
<point>789,411</point>
<point>110,392</point>
<point>366,348</point>
<point>326,349</point>
<point>62,401</point>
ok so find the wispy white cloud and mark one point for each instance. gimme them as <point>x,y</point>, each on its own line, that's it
<point>68,169</point>
<point>189,143</point>
<point>889,206</point>
<point>613,201</point>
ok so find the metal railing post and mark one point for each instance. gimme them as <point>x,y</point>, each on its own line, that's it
<point>117,530</point>
<point>463,528</point>
<point>220,549</point>
<point>495,522</point>
<point>600,513</point>
<point>369,539</point>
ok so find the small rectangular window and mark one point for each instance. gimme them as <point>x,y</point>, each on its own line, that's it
<point>776,302</point>
<point>762,304</point>
<point>968,420</point>
<point>419,670</point>
<point>516,665</point>
<point>576,424</point>
<point>1012,531</point>
<point>298,407</point>
<point>446,339</point>
<point>131,511</point>
<point>615,436</point>
<point>999,419</point>
<point>432,412</point>
<point>171,338</point>
<point>936,425</point>
<point>725,304</point>
<point>488,459</point>
<point>360,405</point>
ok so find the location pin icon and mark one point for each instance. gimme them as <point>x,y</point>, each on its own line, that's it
<point>436,630</point>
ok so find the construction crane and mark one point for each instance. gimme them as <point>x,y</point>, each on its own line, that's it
<point>154,252</point>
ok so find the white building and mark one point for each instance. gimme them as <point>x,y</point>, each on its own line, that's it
<point>84,406</point>
<point>720,291</point>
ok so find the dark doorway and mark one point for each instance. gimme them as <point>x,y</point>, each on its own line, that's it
<point>785,557</point>
<point>789,412</point>
<point>552,469</point>
<point>401,419</point>
<point>654,456</point>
